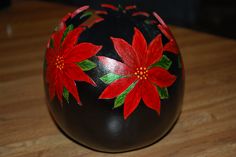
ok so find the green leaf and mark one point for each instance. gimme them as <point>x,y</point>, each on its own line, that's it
<point>66,95</point>
<point>119,101</point>
<point>88,13</point>
<point>110,77</point>
<point>163,92</point>
<point>120,7</point>
<point>86,65</point>
<point>68,29</point>
<point>147,22</point>
<point>164,62</point>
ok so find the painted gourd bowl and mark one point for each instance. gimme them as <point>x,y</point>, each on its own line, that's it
<point>113,77</point>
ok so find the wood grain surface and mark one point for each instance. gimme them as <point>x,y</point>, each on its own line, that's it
<point>207,125</point>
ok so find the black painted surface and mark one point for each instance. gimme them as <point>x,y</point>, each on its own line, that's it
<point>211,16</point>
<point>96,124</point>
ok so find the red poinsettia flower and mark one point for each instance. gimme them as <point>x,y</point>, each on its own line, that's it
<point>62,70</point>
<point>137,69</point>
<point>171,46</point>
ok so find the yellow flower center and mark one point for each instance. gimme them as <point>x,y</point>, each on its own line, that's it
<point>59,62</point>
<point>141,73</point>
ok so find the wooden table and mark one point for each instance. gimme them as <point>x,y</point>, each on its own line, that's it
<point>206,128</point>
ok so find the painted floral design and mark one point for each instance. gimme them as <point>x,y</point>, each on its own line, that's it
<point>142,74</point>
<point>62,23</point>
<point>171,46</point>
<point>66,62</point>
<point>84,13</point>
<point>130,9</point>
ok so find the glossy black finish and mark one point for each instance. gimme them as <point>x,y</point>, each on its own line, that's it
<point>96,124</point>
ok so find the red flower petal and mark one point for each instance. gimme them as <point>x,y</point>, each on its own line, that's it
<point>161,77</point>
<point>115,66</point>
<point>50,55</point>
<point>130,7</point>
<point>165,31</point>
<point>109,6</point>
<point>126,52</point>
<point>62,24</point>
<point>139,44</point>
<point>98,20</point>
<point>71,87</point>
<point>48,43</point>
<point>150,96</point>
<point>74,72</point>
<point>160,20</point>
<point>92,21</point>
<point>132,100</point>
<point>155,51</point>
<point>51,74</point>
<point>71,38</point>
<point>57,36</point>
<point>163,27</point>
<point>171,46</point>
<point>79,10</point>
<point>71,15</point>
<point>141,13</point>
<point>101,12</point>
<point>81,52</point>
<point>116,88</point>
<point>59,85</point>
